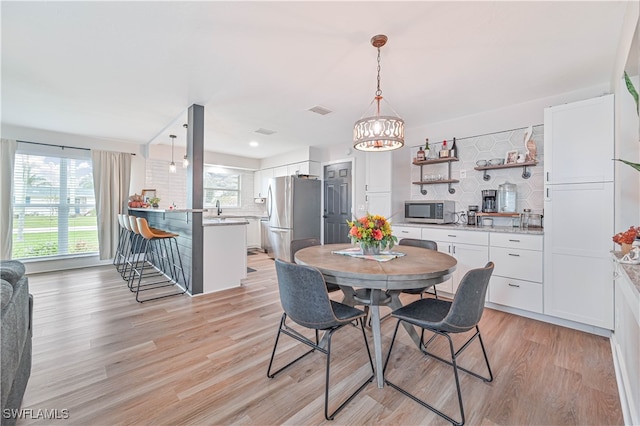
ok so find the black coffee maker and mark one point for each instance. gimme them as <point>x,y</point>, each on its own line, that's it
<point>489,204</point>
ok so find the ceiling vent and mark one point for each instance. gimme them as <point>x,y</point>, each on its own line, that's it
<point>265,131</point>
<point>320,110</point>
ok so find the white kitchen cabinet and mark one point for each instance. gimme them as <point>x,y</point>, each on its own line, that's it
<point>225,253</point>
<point>578,208</point>
<point>258,184</point>
<point>265,175</point>
<point>253,233</point>
<point>311,168</point>
<point>626,343</point>
<point>470,248</point>
<point>280,171</point>
<point>378,183</point>
<point>517,276</point>
<point>379,203</point>
<point>401,232</point>
<point>578,141</point>
<point>378,172</point>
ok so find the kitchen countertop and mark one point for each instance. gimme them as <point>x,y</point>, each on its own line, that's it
<point>632,271</point>
<point>224,221</point>
<point>159,210</point>
<point>503,229</point>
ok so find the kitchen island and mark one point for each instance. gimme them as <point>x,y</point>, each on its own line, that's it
<point>224,253</point>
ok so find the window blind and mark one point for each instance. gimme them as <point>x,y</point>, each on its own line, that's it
<point>54,203</point>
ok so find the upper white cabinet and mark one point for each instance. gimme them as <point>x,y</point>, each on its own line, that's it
<point>579,141</point>
<point>280,171</point>
<point>261,182</point>
<point>311,168</point>
<point>378,183</point>
<point>378,172</point>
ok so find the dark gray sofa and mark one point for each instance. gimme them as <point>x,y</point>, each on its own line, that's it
<point>17,311</point>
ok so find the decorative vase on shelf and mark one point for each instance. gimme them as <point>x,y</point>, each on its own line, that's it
<point>626,248</point>
<point>370,249</point>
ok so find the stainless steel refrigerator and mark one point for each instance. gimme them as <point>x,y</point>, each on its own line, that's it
<point>293,209</point>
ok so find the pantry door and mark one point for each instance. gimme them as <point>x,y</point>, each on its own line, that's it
<point>337,202</point>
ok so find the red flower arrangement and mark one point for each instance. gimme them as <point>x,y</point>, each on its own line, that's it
<point>627,237</point>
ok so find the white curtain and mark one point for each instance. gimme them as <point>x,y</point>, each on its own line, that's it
<point>7,162</point>
<point>111,177</point>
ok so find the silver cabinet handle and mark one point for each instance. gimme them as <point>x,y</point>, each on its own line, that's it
<point>404,232</point>
<point>514,241</point>
<point>513,254</point>
<point>449,235</point>
<point>513,285</point>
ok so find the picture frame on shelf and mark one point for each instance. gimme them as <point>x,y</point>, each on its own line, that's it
<point>148,194</point>
<point>511,157</point>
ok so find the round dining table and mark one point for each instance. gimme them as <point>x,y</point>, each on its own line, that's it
<point>416,268</point>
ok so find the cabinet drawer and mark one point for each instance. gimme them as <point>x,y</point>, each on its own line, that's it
<point>519,264</point>
<point>522,241</point>
<point>456,236</point>
<point>407,232</point>
<point>516,293</point>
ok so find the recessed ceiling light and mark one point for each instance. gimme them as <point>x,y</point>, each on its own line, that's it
<point>253,143</point>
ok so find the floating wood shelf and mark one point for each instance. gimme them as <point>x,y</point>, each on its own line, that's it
<point>435,161</point>
<point>449,181</point>
<point>526,174</point>
<point>498,214</point>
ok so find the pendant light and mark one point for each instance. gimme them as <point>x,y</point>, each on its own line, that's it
<point>378,132</point>
<point>172,165</point>
<point>185,160</point>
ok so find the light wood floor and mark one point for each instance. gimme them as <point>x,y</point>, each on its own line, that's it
<point>202,360</point>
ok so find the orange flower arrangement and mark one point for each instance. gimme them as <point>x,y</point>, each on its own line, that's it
<point>372,231</point>
<point>627,237</point>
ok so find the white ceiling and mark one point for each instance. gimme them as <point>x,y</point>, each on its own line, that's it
<point>129,70</point>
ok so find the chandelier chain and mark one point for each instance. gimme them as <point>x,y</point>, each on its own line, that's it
<point>378,92</point>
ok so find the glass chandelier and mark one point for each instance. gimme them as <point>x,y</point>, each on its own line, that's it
<point>378,132</point>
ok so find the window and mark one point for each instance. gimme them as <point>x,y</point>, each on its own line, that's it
<point>54,203</point>
<point>221,184</point>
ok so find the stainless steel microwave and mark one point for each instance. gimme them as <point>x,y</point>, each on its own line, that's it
<point>429,211</point>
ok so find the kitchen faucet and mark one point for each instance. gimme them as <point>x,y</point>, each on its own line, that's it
<point>218,207</point>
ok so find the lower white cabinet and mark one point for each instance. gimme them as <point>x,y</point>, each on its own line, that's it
<point>470,248</point>
<point>407,232</point>
<point>517,276</point>
<point>515,293</point>
<point>626,343</point>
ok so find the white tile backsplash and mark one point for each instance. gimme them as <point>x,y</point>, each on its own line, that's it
<point>468,191</point>
<point>172,188</point>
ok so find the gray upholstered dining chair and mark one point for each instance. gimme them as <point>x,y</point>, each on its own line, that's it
<point>305,300</point>
<point>444,318</point>
<point>304,243</point>
<point>426,244</point>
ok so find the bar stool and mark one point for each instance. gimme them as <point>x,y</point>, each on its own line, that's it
<point>137,257</point>
<point>160,249</point>
<point>120,258</point>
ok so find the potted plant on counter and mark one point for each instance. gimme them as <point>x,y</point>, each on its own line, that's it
<point>154,202</point>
